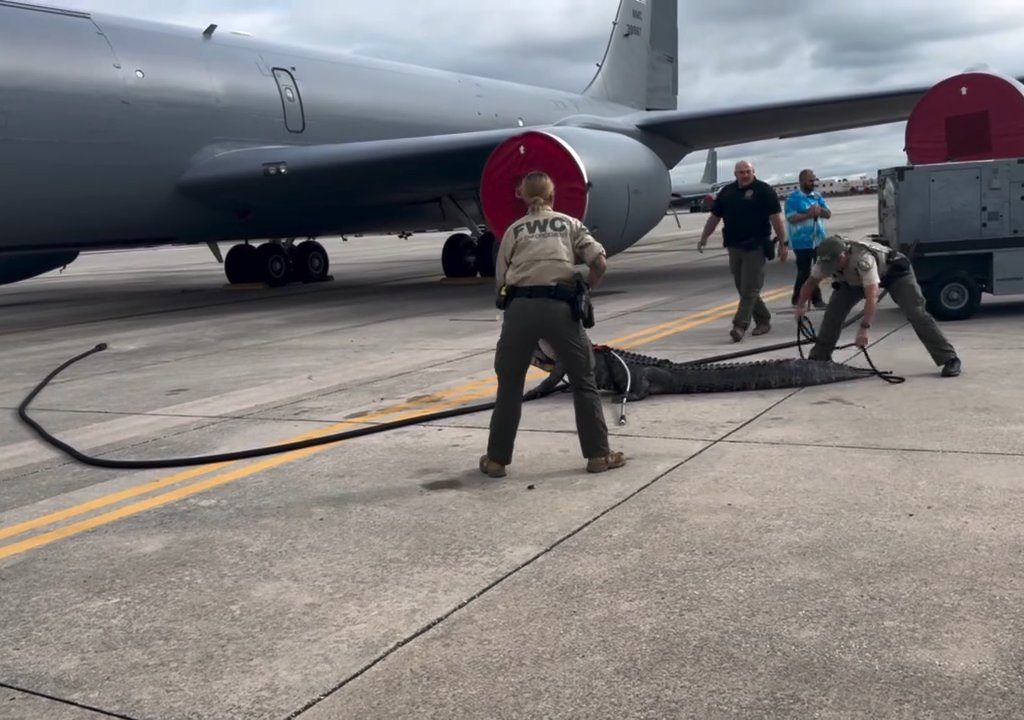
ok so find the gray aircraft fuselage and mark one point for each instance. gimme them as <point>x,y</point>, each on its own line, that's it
<point>100,116</point>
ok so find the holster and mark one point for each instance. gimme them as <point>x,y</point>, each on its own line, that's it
<point>503,299</point>
<point>582,307</point>
<point>769,248</point>
<point>898,266</point>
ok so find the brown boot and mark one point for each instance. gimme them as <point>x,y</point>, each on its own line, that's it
<point>606,462</point>
<point>736,333</point>
<point>490,468</point>
<point>761,329</point>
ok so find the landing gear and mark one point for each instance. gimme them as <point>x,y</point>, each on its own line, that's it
<point>458,257</point>
<point>310,262</point>
<point>486,254</point>
<point>240,264</point>
<point>464,257</point>
<point>276,264</point>
<point>272,264</point>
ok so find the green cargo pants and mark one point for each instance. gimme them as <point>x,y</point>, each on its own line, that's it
<point>906,293</point>
<point>747,268</point>
<point>526,321</point>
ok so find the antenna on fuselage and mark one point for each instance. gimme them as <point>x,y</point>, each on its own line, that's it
<point>208,32</point>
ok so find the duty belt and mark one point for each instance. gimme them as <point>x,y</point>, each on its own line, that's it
<point>552,292</point>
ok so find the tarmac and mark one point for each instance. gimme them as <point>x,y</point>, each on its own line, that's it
<point>852,550</point>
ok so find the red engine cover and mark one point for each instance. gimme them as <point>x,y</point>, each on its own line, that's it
<point>516,157</point>
<point>971,116</point>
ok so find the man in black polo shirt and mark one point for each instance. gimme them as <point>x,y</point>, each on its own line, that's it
<point>751,210</point>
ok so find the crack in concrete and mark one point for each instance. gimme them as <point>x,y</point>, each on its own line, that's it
<point>63,701</point>
<point>565,538</point>
<point>522,566</point>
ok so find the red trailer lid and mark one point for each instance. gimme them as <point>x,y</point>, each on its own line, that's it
<point>972,116</point>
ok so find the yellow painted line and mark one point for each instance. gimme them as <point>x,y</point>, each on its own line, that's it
<point>619,341</point>
<point>435,402</point>
<point>105,500</point>
<point>682,325</point>
<point>193,473</point>
<point>188,490</point>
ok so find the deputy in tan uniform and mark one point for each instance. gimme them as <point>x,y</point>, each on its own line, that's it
<point>861,267</point>
<point>534,273</point>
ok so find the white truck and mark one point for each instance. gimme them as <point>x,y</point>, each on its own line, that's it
<point>963,223</point>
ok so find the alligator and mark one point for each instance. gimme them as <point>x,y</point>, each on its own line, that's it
<point>648,375</point>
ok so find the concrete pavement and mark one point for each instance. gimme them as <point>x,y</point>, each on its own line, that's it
<point>841,551</point>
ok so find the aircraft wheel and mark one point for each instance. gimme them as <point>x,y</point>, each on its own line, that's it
<point>486,254</point>
<point>272,262</point>
<point>458,257</point>
<point>310,262</point>
<point>240,264</point>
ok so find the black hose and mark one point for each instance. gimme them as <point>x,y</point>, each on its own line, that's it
<point>801,340</point>
<point>547,387</point>
<point>241,454</point>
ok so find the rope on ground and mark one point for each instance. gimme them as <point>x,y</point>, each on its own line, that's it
<point>806,334</point>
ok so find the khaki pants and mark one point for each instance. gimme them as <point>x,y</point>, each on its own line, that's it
<point>905,293</point>
<point>747,268</point>
<point>526,321</point>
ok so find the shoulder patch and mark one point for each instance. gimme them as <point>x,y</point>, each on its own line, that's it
<point>866,263</point>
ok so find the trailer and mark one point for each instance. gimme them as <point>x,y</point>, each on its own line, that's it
<point>962,224</point>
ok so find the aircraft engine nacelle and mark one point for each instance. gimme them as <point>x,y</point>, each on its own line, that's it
<point>617,186</point>
<point>21,266</point>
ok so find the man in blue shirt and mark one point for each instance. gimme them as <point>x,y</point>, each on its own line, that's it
<point>806,212</point>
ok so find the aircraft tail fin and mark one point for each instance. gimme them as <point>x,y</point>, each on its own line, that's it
<point>639,67</point>
<point>710,176</point>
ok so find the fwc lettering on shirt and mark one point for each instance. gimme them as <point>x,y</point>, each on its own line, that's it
<point>545,227</point>
<point>542,248</point>
<point>808,233</point>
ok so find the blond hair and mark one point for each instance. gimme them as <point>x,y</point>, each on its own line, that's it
<point>536,190</point>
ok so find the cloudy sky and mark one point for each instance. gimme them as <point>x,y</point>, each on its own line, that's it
<point>732,52</point>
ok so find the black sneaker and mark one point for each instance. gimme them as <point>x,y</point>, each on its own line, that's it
<point>951,368</point>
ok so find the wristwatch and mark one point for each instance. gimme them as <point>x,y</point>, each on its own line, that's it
<point>865,326</point>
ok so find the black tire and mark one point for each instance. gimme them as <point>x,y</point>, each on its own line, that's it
<point>486,254</point>
<point>310,262</point>
<point>953,296</point>
<point>272,261</point>
<point>240,264</point>
<point>458,257</point>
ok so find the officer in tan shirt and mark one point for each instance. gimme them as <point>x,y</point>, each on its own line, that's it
<point>534,275</point>
<point>861,267</point>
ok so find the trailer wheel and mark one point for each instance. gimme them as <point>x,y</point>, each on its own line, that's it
<point>955,296</point>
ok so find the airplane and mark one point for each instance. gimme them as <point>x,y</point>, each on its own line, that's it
<point>122,133</point>
<point>698,196</point>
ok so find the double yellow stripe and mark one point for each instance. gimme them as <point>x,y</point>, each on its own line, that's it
<point>436,402</point>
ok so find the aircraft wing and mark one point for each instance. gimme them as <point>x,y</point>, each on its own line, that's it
<point>730,126</point>
<point>399,171</point>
